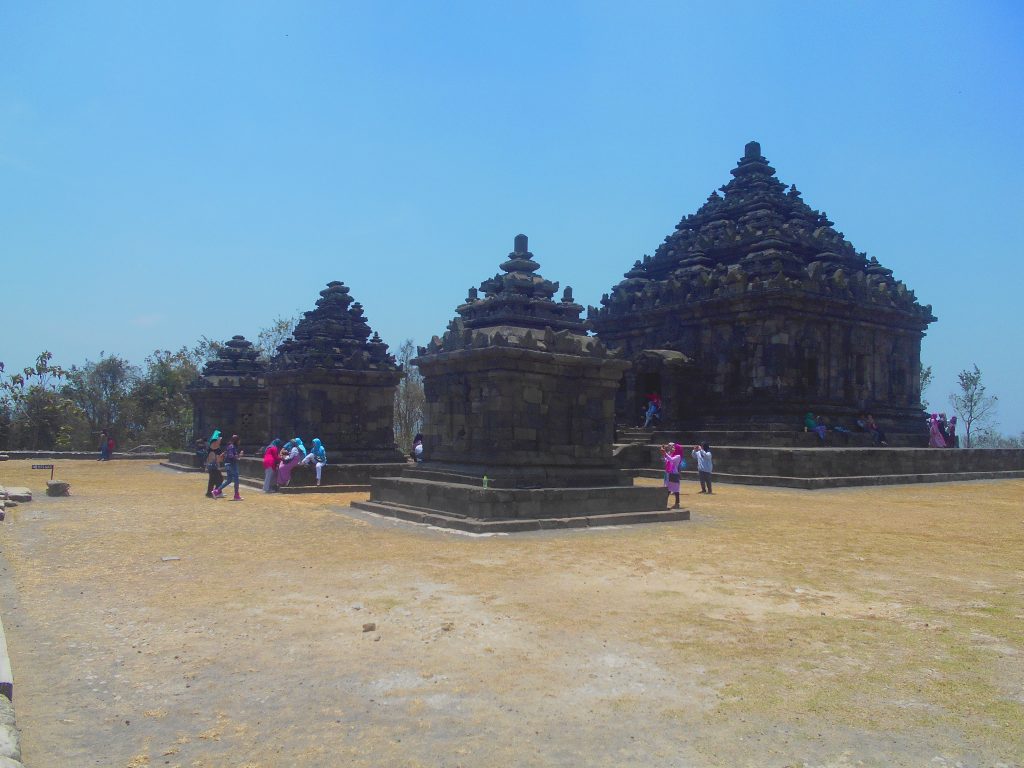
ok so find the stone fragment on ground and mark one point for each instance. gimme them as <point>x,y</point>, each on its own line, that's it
<point>10,739</point>
<point>19,493</point>
<point>58,488</point>
<point>369,627</point>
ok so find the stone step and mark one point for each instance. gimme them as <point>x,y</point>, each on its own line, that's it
<point>471,525</point>
<point>820,483</point>
<point>791,438</point>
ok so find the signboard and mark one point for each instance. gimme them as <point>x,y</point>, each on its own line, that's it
<point>44,466</point>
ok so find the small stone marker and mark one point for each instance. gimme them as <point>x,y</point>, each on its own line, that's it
<point>169,558</point>
<point>58,488</point>
<point>369,627</point>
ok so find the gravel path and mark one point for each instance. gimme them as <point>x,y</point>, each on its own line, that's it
<point>873,626</point>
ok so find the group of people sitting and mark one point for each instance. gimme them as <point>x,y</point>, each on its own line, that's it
<point>280,460</point>
<point>865,423</point>
<point>942,433</point>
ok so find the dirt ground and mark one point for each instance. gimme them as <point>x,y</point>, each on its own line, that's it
<point>877,627</point>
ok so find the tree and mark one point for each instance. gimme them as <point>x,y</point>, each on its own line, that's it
<point>972,405</point>
<point>162,407</point>
<point>273,336</point>
<point>926,380</point>
<point>101,391</point>
<point>409,398</point>
<point>40,415</point>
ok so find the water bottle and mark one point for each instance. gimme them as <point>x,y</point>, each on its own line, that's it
<point>485,482</point>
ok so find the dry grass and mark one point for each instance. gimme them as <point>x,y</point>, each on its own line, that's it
<point>874,626</point>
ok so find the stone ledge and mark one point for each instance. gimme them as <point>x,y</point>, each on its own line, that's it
<point>821,483</point>
<point>472,525</point>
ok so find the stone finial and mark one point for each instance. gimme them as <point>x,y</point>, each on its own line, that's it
<point>567,295</point>
<point>752,150</point>
<point>521,245</point>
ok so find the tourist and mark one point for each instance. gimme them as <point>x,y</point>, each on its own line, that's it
<point>297,442</point>
<point>271,461</point>
<point>417,448</point>
<point>110,447</point>
<point>877,435</point>
<point>935,439</point>
<point>816,425</point>
<point>953,441</point>
<point>290,458</point>
<point>944,429</point>
<point>231,456</point>
<point>103,446</point>
<point>702,453</point>
<point>673,459</point>
<point>213,459</point>
<point>653,411</point>
<point>318,456</point>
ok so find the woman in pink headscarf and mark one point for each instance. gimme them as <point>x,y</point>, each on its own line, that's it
<point>934,433</point>
<point>673,456</point>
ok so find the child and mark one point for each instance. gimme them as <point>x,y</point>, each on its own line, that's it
<point>702,453</point>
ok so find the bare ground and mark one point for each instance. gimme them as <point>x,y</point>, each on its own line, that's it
<point>878,627</point>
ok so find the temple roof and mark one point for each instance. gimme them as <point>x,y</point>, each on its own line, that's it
<point>760,235</point>
<point>335,335</point>
<point>237,357</point>
<point>517,309</point>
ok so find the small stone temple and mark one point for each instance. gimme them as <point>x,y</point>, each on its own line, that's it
<point>334,380</point>
<point>756,310</point>
<point>518,423</point>
<point>231,394</point>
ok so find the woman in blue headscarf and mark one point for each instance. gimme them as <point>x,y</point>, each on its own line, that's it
<point>318,456</point>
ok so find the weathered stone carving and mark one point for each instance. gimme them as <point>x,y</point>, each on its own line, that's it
<point>752,264</point>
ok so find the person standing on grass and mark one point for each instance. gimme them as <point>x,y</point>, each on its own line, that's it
<point>231,456</point>
<point>214,455</point>
<point>271,461</point>
<point>702,453</point>
<point>103,446</point>
<point>673,459</point>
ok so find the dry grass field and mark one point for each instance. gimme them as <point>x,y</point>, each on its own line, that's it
<point>876,627</point>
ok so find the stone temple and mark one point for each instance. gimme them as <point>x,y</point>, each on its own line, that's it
<point>756,310</point>
<point>519,418</point>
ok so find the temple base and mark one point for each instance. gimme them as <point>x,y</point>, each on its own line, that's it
<point>502,510</point>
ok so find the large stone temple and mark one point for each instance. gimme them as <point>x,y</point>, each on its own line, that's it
<point>756,310</point>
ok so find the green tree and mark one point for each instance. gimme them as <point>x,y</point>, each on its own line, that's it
<point>41,417</point>
<point>102,392</point>
<point>274,335</point>
<point>409,398</point>
<point>162,409</point>
<point>926,380</point>
<point>972,405</point>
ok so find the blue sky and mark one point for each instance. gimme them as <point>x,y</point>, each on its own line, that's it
<point>174,170</point>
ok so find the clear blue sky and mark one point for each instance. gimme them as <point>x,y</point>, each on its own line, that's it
<point>174,170</point>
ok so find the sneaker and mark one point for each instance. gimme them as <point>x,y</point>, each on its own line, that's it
<point>237,498</point>
<point>217,494</point>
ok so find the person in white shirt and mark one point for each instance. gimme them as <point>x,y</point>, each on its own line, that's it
<point>702,453</point>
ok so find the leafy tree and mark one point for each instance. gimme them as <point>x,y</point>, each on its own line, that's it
<point>102,393</point>
<point>409,398</point>
<point>162,408</point>
<point>973,406</point>
<point>273,336</point>
<point>40,415</point>
<point>926,380</point>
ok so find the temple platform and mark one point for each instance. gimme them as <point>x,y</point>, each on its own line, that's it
<point>504,510</point>
<point>782,438</point>
<point>815,468</point>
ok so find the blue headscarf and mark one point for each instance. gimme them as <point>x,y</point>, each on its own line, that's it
<point>318,450</point>
<point>298,443</point>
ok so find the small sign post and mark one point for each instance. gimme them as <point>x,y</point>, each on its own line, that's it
<point>44,466</point>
